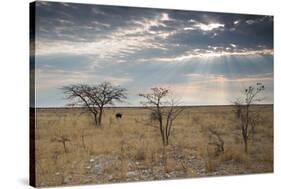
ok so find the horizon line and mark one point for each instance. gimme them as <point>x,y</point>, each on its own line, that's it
<point>212,105</point>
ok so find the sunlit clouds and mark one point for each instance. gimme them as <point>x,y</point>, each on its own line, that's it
<point>204,58</point>
<point>214,52</point>
<point>209,27</point>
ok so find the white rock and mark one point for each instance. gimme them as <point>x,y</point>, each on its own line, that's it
<point>132,174</point>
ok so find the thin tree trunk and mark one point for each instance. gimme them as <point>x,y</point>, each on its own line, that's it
<point>166,131</point>
<point>246,147</point>
<point>96,120</point>
<point>162,134</point>
<point>100,116</point>
<point>64,146</point>
<point>166,134</point>
<point>245,144</point>
<point>169,125</point>
<point>161,126</point>
<point>83,142</point>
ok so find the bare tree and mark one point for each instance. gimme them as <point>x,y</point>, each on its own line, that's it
<point>216,140</point>
<point>164,110</point>
<point>94,97</point>
<point>247,118</point>
<point>63,140</point>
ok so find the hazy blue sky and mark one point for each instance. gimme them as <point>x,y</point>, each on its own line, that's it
<point>204,58</point>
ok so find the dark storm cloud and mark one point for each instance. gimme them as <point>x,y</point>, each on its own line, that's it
<point>243,34</point>
<point>81,22</point>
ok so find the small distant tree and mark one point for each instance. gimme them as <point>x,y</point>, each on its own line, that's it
<point>163,109</point>
<point>63,140</point>
<point>216,140</point>
<point>247,118</point>
<point>94,97</point>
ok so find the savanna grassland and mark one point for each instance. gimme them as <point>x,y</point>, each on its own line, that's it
<point>70,150</point>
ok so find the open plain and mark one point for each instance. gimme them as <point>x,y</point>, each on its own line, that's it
<point>70,150</point>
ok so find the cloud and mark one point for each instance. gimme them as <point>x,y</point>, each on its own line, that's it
<point>139,48</point>
<point>236,22</point>
<point>96,27</point>
<point>214,52</point>
<point>209,27</point>
<point>117,44</point>
<point>250,22</point>
<point>121,41</point>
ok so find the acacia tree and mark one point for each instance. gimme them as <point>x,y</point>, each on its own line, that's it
<point>247,118</point>
<point>94,97</point>
<point>164,110</point>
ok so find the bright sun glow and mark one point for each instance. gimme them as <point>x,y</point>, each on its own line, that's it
<point>209,27</point>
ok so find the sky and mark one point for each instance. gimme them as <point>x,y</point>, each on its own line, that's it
<point>204,58</point>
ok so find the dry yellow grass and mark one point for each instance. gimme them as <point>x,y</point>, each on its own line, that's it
<point>138,148</point>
